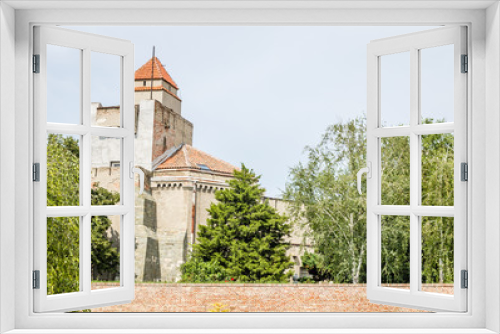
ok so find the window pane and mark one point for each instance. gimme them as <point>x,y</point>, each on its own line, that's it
<point>63,255</point>
<point>63,170</point>
<point>63,85</point>
<point>437,84</point>
<point>437,254</point>
<point>395,250</point>
<point>437,169</point>
<point>105,251</point>
<point>105,89</point>
<point>395,89</point>
<point>395,170</point>
<point>106,170</point>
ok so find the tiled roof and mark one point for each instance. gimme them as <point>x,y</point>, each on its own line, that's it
<point>159,72</point>
<point>146,88</point>
<point>189,157</point>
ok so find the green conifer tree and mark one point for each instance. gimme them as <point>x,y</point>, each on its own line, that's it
<point>244,238</point>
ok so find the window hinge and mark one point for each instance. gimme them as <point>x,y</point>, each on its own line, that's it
<point>36,63</point>
<point>465,64</point>
<point>36,172</point>
<point>36,279</point>
<point>465,279</point>
<point>464,171</point>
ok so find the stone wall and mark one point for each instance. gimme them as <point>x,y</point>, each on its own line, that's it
<point>170,130</point>
<point>159,297</point>
<point>162,96</point>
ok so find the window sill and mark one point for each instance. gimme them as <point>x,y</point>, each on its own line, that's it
<point>252,331</point>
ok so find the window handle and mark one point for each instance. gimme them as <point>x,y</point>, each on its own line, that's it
<point>368,171</point>
<point>141,176</point>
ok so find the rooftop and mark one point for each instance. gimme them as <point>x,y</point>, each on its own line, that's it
<point>189,157</point>
<point>159,72</point>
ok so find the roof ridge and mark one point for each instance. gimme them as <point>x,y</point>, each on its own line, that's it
<point>186,155</point>
<point>165,156</point>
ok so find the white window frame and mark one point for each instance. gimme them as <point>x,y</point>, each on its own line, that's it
<point>413,44</point>
<point>484,211</point>
<point>124,52</point>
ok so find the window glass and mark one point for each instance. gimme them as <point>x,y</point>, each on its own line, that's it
<point>395,170</point>
<point>395,89</point>
<point>63,170</point>
<point>438,169</point>
<point>63,251</point>
<point>437,84</point>
<point>437,255</point>
<point>395,263</point>
<point>105,251</point>
<point>105,91</point>
<point>106,170</point>
<point>63,85</point>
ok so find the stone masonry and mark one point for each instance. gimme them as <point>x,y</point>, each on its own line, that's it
<point>160,297</point>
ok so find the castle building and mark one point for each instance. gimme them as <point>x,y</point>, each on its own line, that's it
<point>180,180</point>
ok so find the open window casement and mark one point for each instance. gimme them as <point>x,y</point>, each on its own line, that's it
<point>416,126</point>
<point>64,62</point>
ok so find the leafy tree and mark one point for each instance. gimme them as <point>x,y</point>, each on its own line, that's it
<point>395,190</point>
<point>324,202</point>
<point>244,238</point>
<point>63,233</point>
<point>437,189</point>
<point>105,256</point>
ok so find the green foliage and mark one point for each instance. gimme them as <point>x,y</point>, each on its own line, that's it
<point>244,238</point>
<point>63,249</point>
<point>325,204</point>
<point>315,264</point>
<point>197,271</point>
<point>63,171</point>
<point>63,233</point>
<point>395,249</point>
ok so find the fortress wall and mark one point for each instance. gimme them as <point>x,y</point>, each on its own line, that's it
<point>161,96</point>
<point>173,203</point>
<point>296,241</point>
<point>147,256</point>
<point>170,129</point>
<point>205,197</point>
<point>256,298</point>
<point>105,150</point>
<point>108,116</point>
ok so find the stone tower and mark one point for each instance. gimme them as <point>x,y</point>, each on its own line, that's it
<point>159,122</point>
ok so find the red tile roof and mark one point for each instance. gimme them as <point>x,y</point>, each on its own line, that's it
<point>159,72</point>
<point>146,88</point>
<point>189,157</point>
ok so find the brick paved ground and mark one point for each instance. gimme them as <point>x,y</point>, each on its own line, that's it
<point>161,297</point>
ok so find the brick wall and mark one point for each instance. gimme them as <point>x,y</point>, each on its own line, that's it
<point>160,297</point>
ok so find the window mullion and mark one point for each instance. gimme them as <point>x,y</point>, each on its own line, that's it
<point>85,186</point>
<point>414,172</point>
<point>85,167</point>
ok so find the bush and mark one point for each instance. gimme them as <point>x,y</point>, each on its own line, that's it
<point>203,272</point>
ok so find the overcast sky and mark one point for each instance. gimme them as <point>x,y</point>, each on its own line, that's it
<point>259,95</point>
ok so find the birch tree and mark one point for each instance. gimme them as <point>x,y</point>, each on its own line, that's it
<point>325,203</point>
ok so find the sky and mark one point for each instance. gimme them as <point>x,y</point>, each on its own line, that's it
<point>259,95</point>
